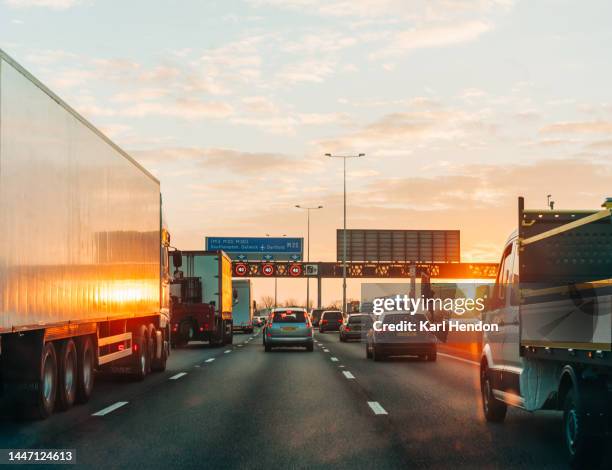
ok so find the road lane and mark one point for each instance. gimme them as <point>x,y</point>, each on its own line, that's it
<point>108,390</point>
<point>248,409</point>
<point>434,409</point>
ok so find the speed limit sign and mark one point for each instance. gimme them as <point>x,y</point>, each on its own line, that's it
<point>295,270</point>
<point>267,270</point>
<point>240,269</point>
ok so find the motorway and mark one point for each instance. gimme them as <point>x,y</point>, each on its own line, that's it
<point>239,407</point>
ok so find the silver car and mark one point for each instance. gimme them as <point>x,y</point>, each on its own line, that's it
<point>288,327</point>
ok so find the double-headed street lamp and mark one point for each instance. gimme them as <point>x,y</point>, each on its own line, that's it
<point>344,157</point>
<point>308,209</point>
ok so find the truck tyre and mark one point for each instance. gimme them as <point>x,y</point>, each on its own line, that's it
<point>583,444</point>
<point>139,354</point>
<point>151,349</point>
<point>493,409</point>
<point>67,375</point>
<point>159,365</point>
<point>184,334</point>
<point>85,369</point>
<point>228,333</point>
<point>46,390</point>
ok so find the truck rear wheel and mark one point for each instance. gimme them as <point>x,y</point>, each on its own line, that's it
<point>493,409</point>
<point>583,445</point>
<point>139,354</point>
<point>159,365</point>
<point>67,375</point>
<point>46,391</point>
<point>228,333</point>
<point>85,371</point>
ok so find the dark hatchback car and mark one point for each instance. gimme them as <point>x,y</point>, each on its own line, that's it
<point>315,316</point>
<point>356,326</point>
<point>382,344</point>
<point>330,321</point>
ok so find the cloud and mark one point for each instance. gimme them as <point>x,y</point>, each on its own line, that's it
<point>600,145</point>
<point>432,36</point>
<point>414,9</point>
<point>49,56</point>
<point>235,161</point>
<point>309,70</point>
<point>143,94</point>
<point>397,133</point>
<point>578,127</point>
<point>188,108</point>
<point>53,4</point>
<point>320,43</point>
<point>260,105</point>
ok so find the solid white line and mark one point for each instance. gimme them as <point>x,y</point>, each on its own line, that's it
<point>348,375</point>
<point>210,360</point>
<point>227,351</point>
<point>110,409</point>
<point>334,359</point>
<point>474,363</point>
<point>377,408</point>
<point>178,376</point>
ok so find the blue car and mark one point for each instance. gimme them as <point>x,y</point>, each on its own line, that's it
<point>288,327</point>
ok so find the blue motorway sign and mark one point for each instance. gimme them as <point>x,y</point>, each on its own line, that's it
<point>259,248</point>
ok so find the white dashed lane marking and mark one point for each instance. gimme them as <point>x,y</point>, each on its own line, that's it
<point>227,351</point>
<point>377,408</point>
<point>178,376</point>
<point>110,409</point>
<point>348,375</point>
<point>210,360</point>
<point>334,359</point>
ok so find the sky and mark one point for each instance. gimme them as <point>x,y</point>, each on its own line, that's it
<point>459,105</point>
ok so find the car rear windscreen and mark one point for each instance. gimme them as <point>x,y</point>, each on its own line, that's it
<point>360,319</point>
<point>288,316</point>
<point>332,316</point>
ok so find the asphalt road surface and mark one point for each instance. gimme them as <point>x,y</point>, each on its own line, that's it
<point>239,407</point>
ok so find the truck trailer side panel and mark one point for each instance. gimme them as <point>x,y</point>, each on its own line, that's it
<point>80,219</point>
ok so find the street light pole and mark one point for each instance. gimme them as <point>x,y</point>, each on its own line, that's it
<point>344,157</point>
<point>308,209</point>
<point>275,281</point>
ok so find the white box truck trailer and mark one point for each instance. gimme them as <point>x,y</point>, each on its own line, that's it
<point>243,305</point>
<point>83,254</point>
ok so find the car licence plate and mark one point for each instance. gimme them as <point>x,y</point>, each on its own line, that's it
<point>288,328</point>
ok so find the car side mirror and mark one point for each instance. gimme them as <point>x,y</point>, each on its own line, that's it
<point>177,258</point>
